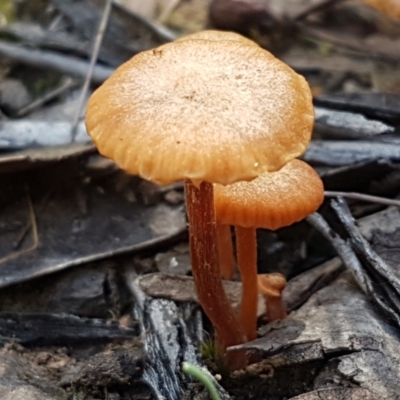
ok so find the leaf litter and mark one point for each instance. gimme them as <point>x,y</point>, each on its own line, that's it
<point>97,254</point>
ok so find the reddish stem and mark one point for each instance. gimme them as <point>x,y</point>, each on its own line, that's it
<point>247,263</point>
<point>276,310</point>
<point>205,268</point>
<point>225,251</point>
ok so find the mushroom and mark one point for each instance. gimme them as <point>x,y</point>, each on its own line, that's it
<point>204,112</point>
<point>271,286</point>
<point>271,201</point>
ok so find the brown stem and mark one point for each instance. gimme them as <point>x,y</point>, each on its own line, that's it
<point>247,262</point>
<point>275,308</point>
<point>225,251</point>
<point>271,286</point>
<point>205,269</point>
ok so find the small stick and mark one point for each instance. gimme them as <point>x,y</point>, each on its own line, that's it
<point>362,245</point>
<point>163,17</point>
<point>343,249</point>
<point>351,261</point>
<point>35,235</point>
<point>202,376</point>
<point>29,225</point>
<point>324,5</point>
<point>67,84</point>
<point>364,197</point>
<point>55,23</point>
<point>93,59</point>
<point>52,60</point>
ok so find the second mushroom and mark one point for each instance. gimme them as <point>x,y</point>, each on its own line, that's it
<point>271,201</point>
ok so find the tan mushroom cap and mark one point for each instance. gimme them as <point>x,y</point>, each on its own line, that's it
<point>389,7</point>
<point>214,35</point>
<point>271,284</point>
<point>272,200</point>
<point>216,111</point>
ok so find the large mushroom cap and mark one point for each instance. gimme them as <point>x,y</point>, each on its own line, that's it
<point>216,111</point>
<point>272,200</point>
<point>272,284</point>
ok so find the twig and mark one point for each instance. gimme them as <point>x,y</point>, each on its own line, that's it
<point>55,23</point>
<point>52,60</point>
<point>28,226</point>
<point>364,197</point>
<point>344,251</point>
<point>161,32</point>
<point>35,235</point>
<point>316,8</point>
<point>349,44</point>
<point>93,59</point>
<point>67,84</point>
<point>362,246</point>
<point>350,260</point>
<point>172,4</point>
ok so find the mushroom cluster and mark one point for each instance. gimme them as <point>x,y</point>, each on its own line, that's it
<point>211,108</point>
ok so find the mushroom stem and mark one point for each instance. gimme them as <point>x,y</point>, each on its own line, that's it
<point>205,268</point>
<point>225,251</point>
<point>271,286</point>
<point>276,310</point>
<point>247,262</point>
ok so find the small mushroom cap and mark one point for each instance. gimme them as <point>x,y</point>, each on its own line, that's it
<point>389,7</point>
<point>214,36</point>
<point>271,285</point>
<point>272,200</point>
<point>216,111</point>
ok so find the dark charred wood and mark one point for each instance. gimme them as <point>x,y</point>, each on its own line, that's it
<point>49,329</point>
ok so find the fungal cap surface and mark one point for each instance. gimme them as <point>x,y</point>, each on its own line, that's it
<point>272,284</point>
<point>272,200</point>
<point>216,111</point>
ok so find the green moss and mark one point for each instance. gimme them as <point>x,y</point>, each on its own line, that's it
<point>213,357</point>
